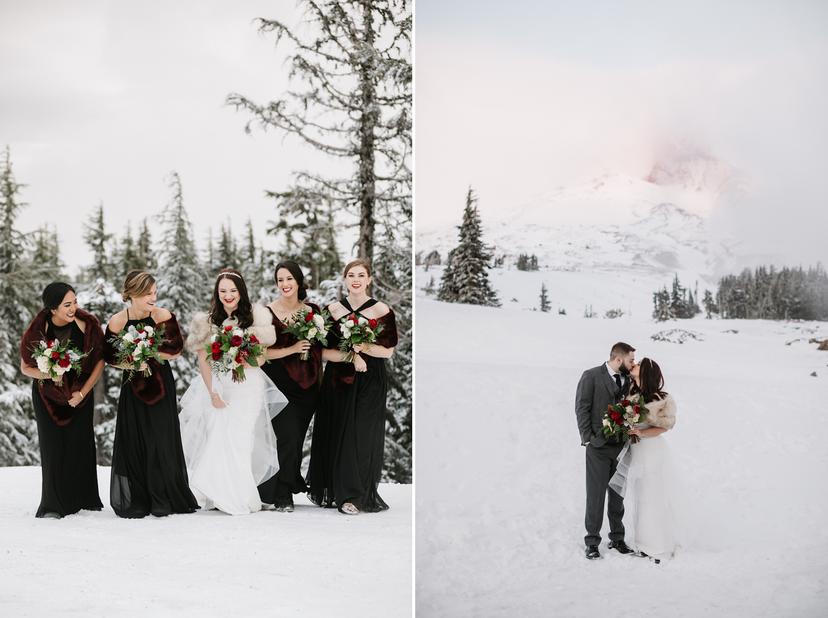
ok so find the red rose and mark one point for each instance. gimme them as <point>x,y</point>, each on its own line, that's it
<point>372,323</point>
<point>64,362</point>
<point>625,403</point>
<point>216,345</point>
<point>354,319</point>
<point>136,341</point>
<point>227,329</point>
<point>254,339</point>
<point>308,316</point>
<point>636,408</point>
<point>55,356</point>
<point>151,341</point>
<point>239,358</point>
<point>236,341</point>
<point>216,355</point>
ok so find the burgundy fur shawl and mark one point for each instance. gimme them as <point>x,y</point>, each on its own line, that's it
<point>56,396</point>
<point>150,389</point>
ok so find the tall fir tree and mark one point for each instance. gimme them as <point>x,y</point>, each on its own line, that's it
<point>466,277</point>
<point>100,244</point>
<point>145,256</point>
<point>545,305</point>
<point>18,431</point>
<point>393,281</point>
<point>43,262</point>
<point>182,287</point>
<point>354,103</point>
<point>227,253</point>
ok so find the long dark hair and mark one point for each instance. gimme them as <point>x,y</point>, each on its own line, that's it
<point>244,310</point>
<point>294,269</point>
<point>651,380</point>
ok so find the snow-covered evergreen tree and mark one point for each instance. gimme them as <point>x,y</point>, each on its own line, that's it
<point>392,282</point>
<point>545,305</point>
<point>43,263</point>
<point>182,286</point>
<point>100,243</point>
<point>352,101</point>
<point>466,277</point>
<point>227,253</point>
<point>145,257</point>
<point>18,431</point>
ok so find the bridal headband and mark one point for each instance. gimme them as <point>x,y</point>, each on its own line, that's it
<point>226,275</point>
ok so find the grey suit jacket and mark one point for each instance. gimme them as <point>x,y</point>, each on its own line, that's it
<point>596,390</point>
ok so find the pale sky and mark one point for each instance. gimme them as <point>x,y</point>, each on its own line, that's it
<point>102,99</point>
<point>515,98</point>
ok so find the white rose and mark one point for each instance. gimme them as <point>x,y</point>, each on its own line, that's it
<point>60,370</point>
<point>606,422</point>
<point>126,336</point>
<point>319,321</point>
<point>362,320</point>
<point>43,364</point>
<point>150,330</point>
<point>238,332</point>
<point>232,352</point>
<point>312,333</point>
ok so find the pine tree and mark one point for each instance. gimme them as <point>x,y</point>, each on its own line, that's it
<point>126,256</point>
<point>354,104</point>
<point>663,306</point>
<point>545,305</point>
<point>18,431</point>
<point>227,253</point>
<point>393,280</point>
<point>709,303</point>
<point>99,242</point>
<point>145,257</point>
<point>181,284</point>
<point>43,262</point>
<point>466,278</point>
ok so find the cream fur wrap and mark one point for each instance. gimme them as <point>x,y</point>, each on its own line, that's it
<point>662,413</point>
<point>201,329</point>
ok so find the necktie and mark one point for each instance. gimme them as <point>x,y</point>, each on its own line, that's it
<point>617,377</point>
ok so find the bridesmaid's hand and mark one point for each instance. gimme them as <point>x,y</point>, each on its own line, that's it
<point>75,399</point>
<point>217,401</point>
<point>361,347</point>
<point>635,432</point>
<point>301,346</point>
<point>359,363</point>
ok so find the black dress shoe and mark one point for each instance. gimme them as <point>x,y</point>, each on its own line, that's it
<point>620,547</point>
<point>592,552</point>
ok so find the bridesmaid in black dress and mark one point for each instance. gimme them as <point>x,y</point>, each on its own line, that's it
<point>298,379</point>
<point>149,474</point>
<point>64,411</point>
<point>349,431</point>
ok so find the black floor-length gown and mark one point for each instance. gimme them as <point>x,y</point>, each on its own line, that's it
<point>149,474</point>
<point>349,430</point>
<point>67,441</point>
<point>299,380</point>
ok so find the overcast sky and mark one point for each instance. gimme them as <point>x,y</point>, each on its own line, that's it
<point>515,98</point>
<point>101,100</point>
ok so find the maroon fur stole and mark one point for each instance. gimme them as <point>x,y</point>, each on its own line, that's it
<point>150,389</point>
<point>56,396</point>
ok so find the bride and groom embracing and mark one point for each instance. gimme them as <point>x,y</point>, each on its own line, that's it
<point>634,473</point>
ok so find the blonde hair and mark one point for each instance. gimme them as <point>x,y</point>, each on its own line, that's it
<point>357,262</point>
<point>137,283</point>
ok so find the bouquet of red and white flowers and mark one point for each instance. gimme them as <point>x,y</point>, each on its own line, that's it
<point>309,325</point>
<point>356,330</point>
<point>55,358</point>
<point>137,345</point>
<point>621,417</point>
<point>230,348</point>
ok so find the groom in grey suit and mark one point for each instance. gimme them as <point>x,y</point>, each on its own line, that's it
<point>598,388</point>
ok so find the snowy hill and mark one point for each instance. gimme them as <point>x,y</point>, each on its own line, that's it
<point>500,476</point>
<point>647,228</point>
<point>313,562</point>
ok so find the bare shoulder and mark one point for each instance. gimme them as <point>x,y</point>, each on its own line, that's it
<point>381,309</point>
<point>117,322</point>
<point>159,314</point>
<point>337,309</point>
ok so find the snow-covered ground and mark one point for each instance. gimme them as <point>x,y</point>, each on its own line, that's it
<point>312,562</point>
<point>500,471</point>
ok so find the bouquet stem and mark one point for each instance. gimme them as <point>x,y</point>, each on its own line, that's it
<point>304,355</point>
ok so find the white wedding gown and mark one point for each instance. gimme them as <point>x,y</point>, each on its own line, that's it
<point>230,451</point>
<point>647,480</point>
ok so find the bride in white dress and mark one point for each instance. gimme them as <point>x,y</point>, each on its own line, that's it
<point>226,430</point>
<point>646,475</point>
